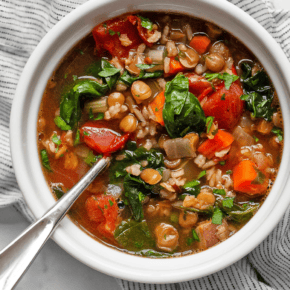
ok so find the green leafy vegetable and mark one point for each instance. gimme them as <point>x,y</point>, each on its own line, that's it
<point>217,217</point>
<point>135,191</point>
<point>195,235</point>
<point>182,111</point>
<point>239,212</point>
<point>91,158</point>
<point>174,218</point>
<point>201,174</point>
<point>146,66</point>
<point>77,138</point>
<point>146,23</point>
<point>100,116</point>
<point>207,211</point>
<point>228,202</point>
<point>222,163</point>
<point>255,138</point>
<point>153,254</point>
<point>108,72</point>
<point>128,79</point>
<point>58,191</point>
<point>208,123</point>
<point>75,77</point>
<point>277,131</point>
<point>259,94</point>
<point>260,178</point>
<point>226,77</point>
<point>219,191</point>
<point>134,235</point>
<point>45,160</point>
<point>229,172</point>
<point>56,141</point>
<point>192,187</point>
<point>154,158</point>
<point>60,123</point>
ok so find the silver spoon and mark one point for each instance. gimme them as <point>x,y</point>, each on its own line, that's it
<point>16,258</point>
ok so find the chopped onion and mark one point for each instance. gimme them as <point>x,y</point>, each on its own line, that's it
<point>156,56</point>
<point>243,138</point>
<point>178,148</point>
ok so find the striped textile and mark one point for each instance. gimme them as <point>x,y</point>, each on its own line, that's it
<point>22,26</point>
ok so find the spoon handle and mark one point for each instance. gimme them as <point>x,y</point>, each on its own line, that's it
<point>19,254</point>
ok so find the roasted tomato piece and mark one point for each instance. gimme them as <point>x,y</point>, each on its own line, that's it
<point>107,36</point>
<point>198,85</point>
<point>143,32</point>
<point>99,137</point>
<point>103,210</point>
<point>225,106</point>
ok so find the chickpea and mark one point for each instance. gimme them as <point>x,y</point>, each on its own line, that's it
<point>140,91</point>
<point>221,48</point>
<point>128,124</point>
<point>188,219</point>
<point>115,98</point>
<point>277,119</point>
<point>215,62</point>
<point>150,176</point>
<point>167,237</point>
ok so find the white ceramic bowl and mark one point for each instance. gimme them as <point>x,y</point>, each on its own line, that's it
<point>28,169</point>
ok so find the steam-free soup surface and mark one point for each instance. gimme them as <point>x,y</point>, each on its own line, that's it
<point>192,123</point>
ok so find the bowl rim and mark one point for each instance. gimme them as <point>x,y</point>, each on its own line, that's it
<point>93,253</point>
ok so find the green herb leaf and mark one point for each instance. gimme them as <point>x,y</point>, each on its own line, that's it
<point>219,191</point>
<point>75,77</point>
<point>192,187</point>
<point>146,23</point>
<point>229,172</point>
<point>91,158</point>
<point>45,160</point>
<point>56,141</point>
<point>91,115</point>
<point>128,79</point>
<point>226,77</point>
<point>60,123</point>
<point>174,218</point>
<point>260,178</point>
<point>182,111</point>
<point>111,32</point>
<point>195,235</point>
<point>223,97</point>
<point>255,138</point>
<point>77,138</point>
<point>217,217</point>
<point>277,131</point>
<point>201,174</point>
<point>228,202</point>
<point>189,241</point>
<point>100,116</point>
<point>222,163</point>
<point>86,133</point>
<point>208,123</point>
<point>107,72</point>
<point>145,66</point>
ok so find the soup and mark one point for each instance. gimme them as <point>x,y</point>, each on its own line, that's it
<point>190,119</point>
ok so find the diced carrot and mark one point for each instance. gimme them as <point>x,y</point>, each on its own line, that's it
<point>148,60</point>
<point>249,179</point>
<point>175,66</point>
<point>200,43</point>
<point>221,140</point>
<point>157,107</point>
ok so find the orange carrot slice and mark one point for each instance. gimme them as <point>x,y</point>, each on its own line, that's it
<point>200,43</point>
<point>157,107</point>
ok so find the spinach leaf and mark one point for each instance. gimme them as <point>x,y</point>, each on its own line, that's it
<point>146,23</point>
<point>239,212</point>
<point>90,87</point>
<point>226,77</point>
<point>134,235</point>
<point>208,211</point>
<point>153,254</point>
<point>60,123</point>
<point>154,158</point>
<point>45,160</point>
<point>128,79</point>
<point>182,111</point>
<point>58,191</point>
<point>91,158</point>
<point>192,187</point>
<point>135,191</point>
<point>228,202</point>
<point>146,66</point>
<point>259,93</point>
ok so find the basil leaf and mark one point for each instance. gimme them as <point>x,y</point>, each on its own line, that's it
<point>182,111</point>
<point>60,123</point>
<point>77,138</point>
<point>146,23</point>
<point>217,217</point>
<point>201,174</point>
<point>219,191</point>
<point>195,235</point>
<point>90,87</point>
<point>277,131</point>
<point>45,160</point>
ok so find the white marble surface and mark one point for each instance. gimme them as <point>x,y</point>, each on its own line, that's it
<point>54,268</point>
